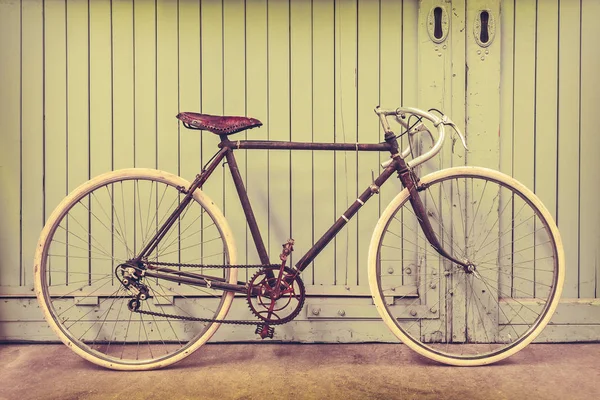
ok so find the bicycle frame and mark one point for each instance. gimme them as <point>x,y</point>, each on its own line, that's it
<point>227,148</point>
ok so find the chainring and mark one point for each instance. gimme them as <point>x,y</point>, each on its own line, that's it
<point>276,305</point>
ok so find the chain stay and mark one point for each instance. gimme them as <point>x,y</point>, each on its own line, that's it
<point>220,321</point>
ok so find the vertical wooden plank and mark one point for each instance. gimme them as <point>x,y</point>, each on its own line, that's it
<point>257,107</point>
<point>190,74</point>
<point>184,235</point>
<point>55,104</point>
<point>569,140</point>
<point>393,41</point>
<point>77,131</point>
<point>323,93</point>
<point>10,155</point>
<point>546,102</point>
<point>32,92</point>
<point>410,97</point>
<point>507,94</point>
<point>524,91</point>
<point>123,109</point>
<point>524,104</point>
<point>211,26</point>
<point>167,94</point>
<point>101,135</point>
<point>77,93</point>
<point>101,122</point>
<point>457,111</point>
<point>410,53</point>
<point>189,90</point>
<point>122,85</point>
<point>589,228</point>
<point>345,102</point>
<point>144,92</point>
<point>144,51</point>
<point>390,83</point>
<point>434,91</point>
<point>483,125</point>
<point>507,22</point>
<point>458,42</point>
<point>278,124</point>
<point>302,207</point>
<point>368,96</point>
<point>234,103</point>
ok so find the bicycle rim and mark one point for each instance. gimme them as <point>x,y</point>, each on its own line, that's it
<point>496,305</point>
<point>101,225</point>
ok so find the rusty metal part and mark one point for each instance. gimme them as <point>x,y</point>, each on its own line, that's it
<point>288,247</point>
<point>220,125</point>
<point>265,331</point>
<point>134,304</point>
<point>286,287</point>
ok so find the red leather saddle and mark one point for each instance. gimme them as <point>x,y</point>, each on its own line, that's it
<point>220,125</point>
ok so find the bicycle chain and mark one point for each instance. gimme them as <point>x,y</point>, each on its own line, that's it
<point>173,264</point>
<point>213,320</point>
<point>220,321</point>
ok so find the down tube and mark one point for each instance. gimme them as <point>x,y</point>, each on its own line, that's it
<point>345,217</point>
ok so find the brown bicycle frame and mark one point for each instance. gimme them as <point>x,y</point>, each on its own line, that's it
<point>227,148</point>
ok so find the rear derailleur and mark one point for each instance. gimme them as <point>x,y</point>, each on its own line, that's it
<point>130,276</point>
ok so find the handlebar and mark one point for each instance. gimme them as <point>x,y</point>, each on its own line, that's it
<point>439,122</point>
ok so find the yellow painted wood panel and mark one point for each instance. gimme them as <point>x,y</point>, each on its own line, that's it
<point>10,151</point>
<point>55,108</point>
<point>589,212</point>
<point>114,74</point>
<point>257,106</point>
<point>323,125</point>
<point>277,125</point>
<point>369,94</point>
<point>569,140</point>
<point>32,156</point>
<point>346,67</point>
<point>302,205</point>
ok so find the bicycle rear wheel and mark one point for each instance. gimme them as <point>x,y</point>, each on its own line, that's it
<point>490,309</point>
<point>104,223</point>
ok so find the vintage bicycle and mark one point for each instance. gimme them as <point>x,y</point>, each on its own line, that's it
<point>137,268</point>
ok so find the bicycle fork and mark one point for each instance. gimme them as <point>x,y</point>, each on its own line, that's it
<point>409,181</point>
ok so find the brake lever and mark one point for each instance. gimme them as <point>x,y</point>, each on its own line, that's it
<point>447,121</point>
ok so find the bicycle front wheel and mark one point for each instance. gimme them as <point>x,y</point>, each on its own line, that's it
<point>79,281</point>
<point>495,305</point>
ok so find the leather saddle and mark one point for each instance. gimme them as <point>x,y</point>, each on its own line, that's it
<point>219,125</point>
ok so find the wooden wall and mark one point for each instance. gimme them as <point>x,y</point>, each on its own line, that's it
<point>90,86</point>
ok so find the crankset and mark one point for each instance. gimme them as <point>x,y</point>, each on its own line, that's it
<point>276,294</point>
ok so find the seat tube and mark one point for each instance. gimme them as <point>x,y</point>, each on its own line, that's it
<point>243,195</point>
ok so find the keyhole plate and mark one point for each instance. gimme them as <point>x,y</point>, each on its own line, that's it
<point>438,24</point>
<point>484,19</point>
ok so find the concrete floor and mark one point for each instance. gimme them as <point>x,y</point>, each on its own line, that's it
<point>286,371</point>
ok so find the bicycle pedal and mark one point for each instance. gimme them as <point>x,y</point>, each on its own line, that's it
<point>265,331</point>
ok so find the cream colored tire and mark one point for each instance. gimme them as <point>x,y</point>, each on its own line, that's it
<point>433,338</point>
<point>136,180</point>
